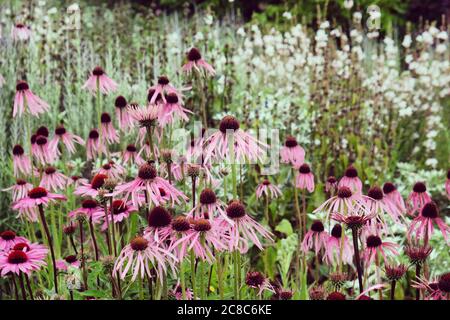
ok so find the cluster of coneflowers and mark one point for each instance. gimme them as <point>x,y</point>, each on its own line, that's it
<point>154,219</point>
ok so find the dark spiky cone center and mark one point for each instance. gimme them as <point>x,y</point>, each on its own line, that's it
<point>317,226</point>
<point>17,257</point>
<point>448,174</point>
<point>304,169</point>
<point>131,148</point>
<point>266,182</point>
<point>162,192</point>
<point>163,80</point>
<point>106,166</point>
<point>98,71</point>
<point>159,217</point>
<point>417,255</point>
<point>60,130</point>
<point>344,192</point>
<point>290,142</point>
<point>42,131</point>
<point>22,86</point>
<point>147,171</point>
<point>444,283</point>
<point>194,55</point>
<point>33,138</point>
<point>235,210</point>
<point>98,181</point>
<point>139,244</point>
<point>208,196</point>
<point>254,279</point>
<point>395,273</point>
<point>365,297</point>
<point>336,296</point>
<point>89,204</point>
<point>375,193</point>
<point>172,97</point>
<point>119,206</point>
<point>71,259</point>
<point>37,193</point>
<point>389,187</point>
<point>105,118</point>
<point>202,225</point>
<point>420,187</point>
<point>18,150</point>
<point>120,102</point>
<point>181,224</point>
<point>50,170</point>
<point>150,94</point>
<point>93,134</point>
<point>75,178</point>
<point>351,172</point>
<point>331,180</point>
<point>20,246</point>
<point>41,140</point>
<point>430,210</point>
<point>336,232</point>
<point>285,295</point>
<point>373,241</point>
<point>21,182</point>
<point>70,229</point>
<point>8,235</point>
<point>228,123</point>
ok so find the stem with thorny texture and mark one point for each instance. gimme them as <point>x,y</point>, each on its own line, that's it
<point>50,244</point>
<point>357,258</point>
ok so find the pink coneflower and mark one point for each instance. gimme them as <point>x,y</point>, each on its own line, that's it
<point>245,146</point>
<point>67,139</point>
<point>21,162</point>
<point>91,189</point>
<point>331,184</point>
<point>256,280</point>
<point>8,239</point>
<point>94,146</point>
<point>418,197</point>
<point>292,153</point>
<point>195,62</point>
<point>267,189</point>
<point>180,227</point>
<point>69,261</point>
<point>145,116</point>
<point>37,250</point>
<point>108,131</point>
<point>123,118</point>
<point>121,210</point>
<point>177,293</point>
<point>345,202</point>
<point>53,180</point>
<point>434,289</point>
<point>375,245</point>
<point>25,98</point>
<point>172,109</point>
<point>140,256</point>
<point>335,243</point>
<point>315,238</point>
<point>41,150</point>
<point>20,32</point>
<point>351,180</point>
<point>148,183</point>
<point>98,80</point>
<point>159,224</point>
<point>209,203</point>
<point>28,206</point>
<point>447,184</point>
<point>76,181</point>
<point>423,224</point>
<point>21,261</point>
<point>393,199</point>
<point>19,189</point>
<point>375,201</point>
<point>305,178</point>
<point>243,229</point>
<point>130,155</point>
<point>161,89</point>
<point>90,208</point>
<point>204,235</point>
<point>112,170</point>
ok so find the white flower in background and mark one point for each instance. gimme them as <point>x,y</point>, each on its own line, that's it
<point>357,17</point>
<point>325,25</point>
<point>74,7</point>
<point>336,33</point>
<point>431,162</point>
<point>287,15</point>
<point>427,37</point>
<point>52,11</point>
<point>348,4</point>
<point>441,48</point>
<point>407,40</point>
<point>208,19</point>
<point>241,32</point>
<point>443,35</point>
<point>199,36</point>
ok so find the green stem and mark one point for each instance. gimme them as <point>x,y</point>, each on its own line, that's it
<point>194,289</point>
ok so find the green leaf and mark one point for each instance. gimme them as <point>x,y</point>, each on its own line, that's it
<point>285,227</point>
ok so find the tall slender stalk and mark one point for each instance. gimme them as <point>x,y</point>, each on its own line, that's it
<point>22,287</point>
<point>50,244</point>
<point>357,258</point>
<point>418,267</point>
<point>83,258</point>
